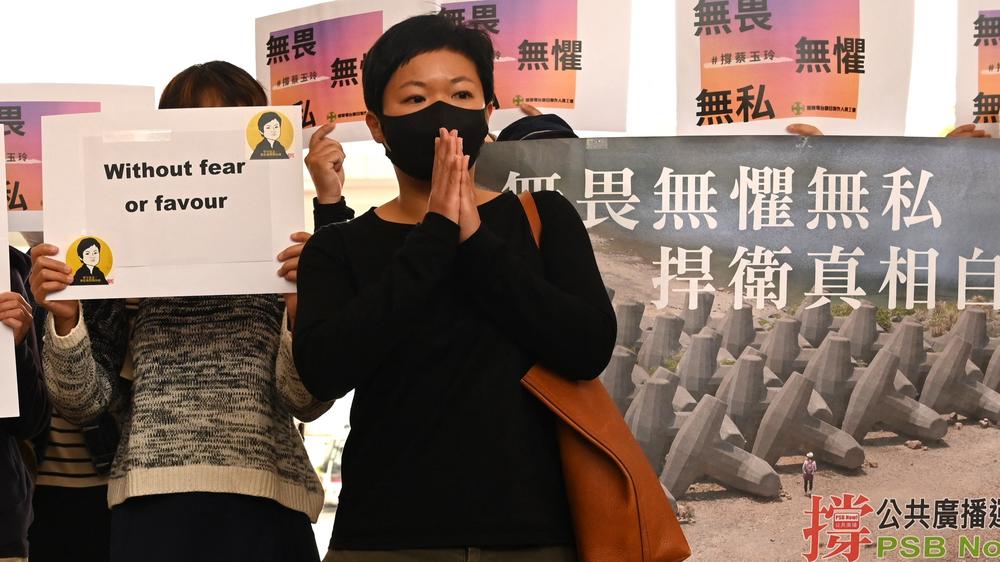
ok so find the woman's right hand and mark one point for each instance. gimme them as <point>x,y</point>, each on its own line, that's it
<point>446,181</point>
<point>48,276</point>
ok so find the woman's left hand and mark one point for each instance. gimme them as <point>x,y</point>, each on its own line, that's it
<point>289,259</point>
<point>15,313</point>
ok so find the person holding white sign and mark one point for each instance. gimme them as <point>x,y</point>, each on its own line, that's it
<point>210,466</point>
<point>33,414</point>
<point>432,307</point>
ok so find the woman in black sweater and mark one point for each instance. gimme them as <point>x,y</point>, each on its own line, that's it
<point>431,308</point>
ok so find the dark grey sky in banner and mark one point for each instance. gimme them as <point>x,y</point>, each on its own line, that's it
<point>965,189</point>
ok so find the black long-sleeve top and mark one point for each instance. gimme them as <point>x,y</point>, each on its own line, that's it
<point>446,447</point>
<point>33,405</point>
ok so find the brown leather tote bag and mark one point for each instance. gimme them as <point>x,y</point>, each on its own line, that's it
<point>619,509</point>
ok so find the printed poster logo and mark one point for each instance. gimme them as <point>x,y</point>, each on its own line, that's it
<point>91,261</point>
<point>837,528</point>
<point>269,136</point>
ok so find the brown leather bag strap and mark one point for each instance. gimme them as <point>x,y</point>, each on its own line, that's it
<point>534,219</point>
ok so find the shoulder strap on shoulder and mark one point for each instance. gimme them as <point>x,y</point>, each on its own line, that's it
<point>534,219</point>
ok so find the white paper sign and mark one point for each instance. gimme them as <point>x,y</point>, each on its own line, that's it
<point>22,107</point>
<point>754,68</point>
<point>176,202</point>
<point>568,57</point>
<point>8,364</point>
<point>977,99</point>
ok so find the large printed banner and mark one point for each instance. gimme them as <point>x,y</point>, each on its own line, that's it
<point>8,364</point>
<point>568,56</point>
<point>755,67</point>
<point>174,203</point>
<point>767,220</point>
<point>22,107</point>
<point>830,295</point>
<point>978,96</point>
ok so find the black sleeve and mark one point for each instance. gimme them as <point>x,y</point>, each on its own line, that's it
<point>330,213</point>
<point>564,317</point>
<point>342,329</point>
<point>33,402</point>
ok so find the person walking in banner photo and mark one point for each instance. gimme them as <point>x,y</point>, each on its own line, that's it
<point>808,472</point>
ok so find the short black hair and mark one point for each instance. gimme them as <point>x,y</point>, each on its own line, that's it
<point>85,244</point>
<point>266,118</point>
<point>419,35</point>
<point>220,81</point>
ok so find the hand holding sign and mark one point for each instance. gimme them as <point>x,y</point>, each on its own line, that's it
<point>325,162</point>
<point>50,276</point>
<point>15,312</point>
<point>968,132</point>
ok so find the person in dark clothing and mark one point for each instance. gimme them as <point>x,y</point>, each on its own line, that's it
<point>33,408</point>
<point>431,308</point>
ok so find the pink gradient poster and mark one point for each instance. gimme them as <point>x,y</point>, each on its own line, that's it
<point>318,66</point>
<point>788,59</point>
<point>986,102</point>
<point>538,49</point>
<point>22,124</point>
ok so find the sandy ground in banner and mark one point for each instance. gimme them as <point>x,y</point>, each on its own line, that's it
<point>733,526</point>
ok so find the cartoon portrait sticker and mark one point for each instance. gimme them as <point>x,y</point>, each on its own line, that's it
<point>270,134</point>
<point>90,260</point>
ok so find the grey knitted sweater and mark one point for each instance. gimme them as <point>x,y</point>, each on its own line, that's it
<point>211,406</point>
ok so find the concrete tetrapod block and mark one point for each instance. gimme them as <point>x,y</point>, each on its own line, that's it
<point>782,349</point>
<point>738,330</point>
<point>815,323</point>
<point>949,389</point>
<point>992,376</point>
<point>683,401</point>
<point>971,328</point>
<point>629,315</point>
<point>716,339</point>
<point>875,399</point>
<point>907,343</point>
<point>831,370</point>
<point>699,451</point>
<point>617,377</point>
<point>671,499</point>
<point>748,388</point>
<point>655,423</point>
<point>698,367</point>
<point>696,319</point>
<point>662,342</point>
<point>861,330</point>
<point>818,407</point>
<point>787,428</point>
<point>745,395</point>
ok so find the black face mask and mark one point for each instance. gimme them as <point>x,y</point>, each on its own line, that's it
<point>409,139</point>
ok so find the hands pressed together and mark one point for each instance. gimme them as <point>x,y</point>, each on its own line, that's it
<point>452,193</point>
